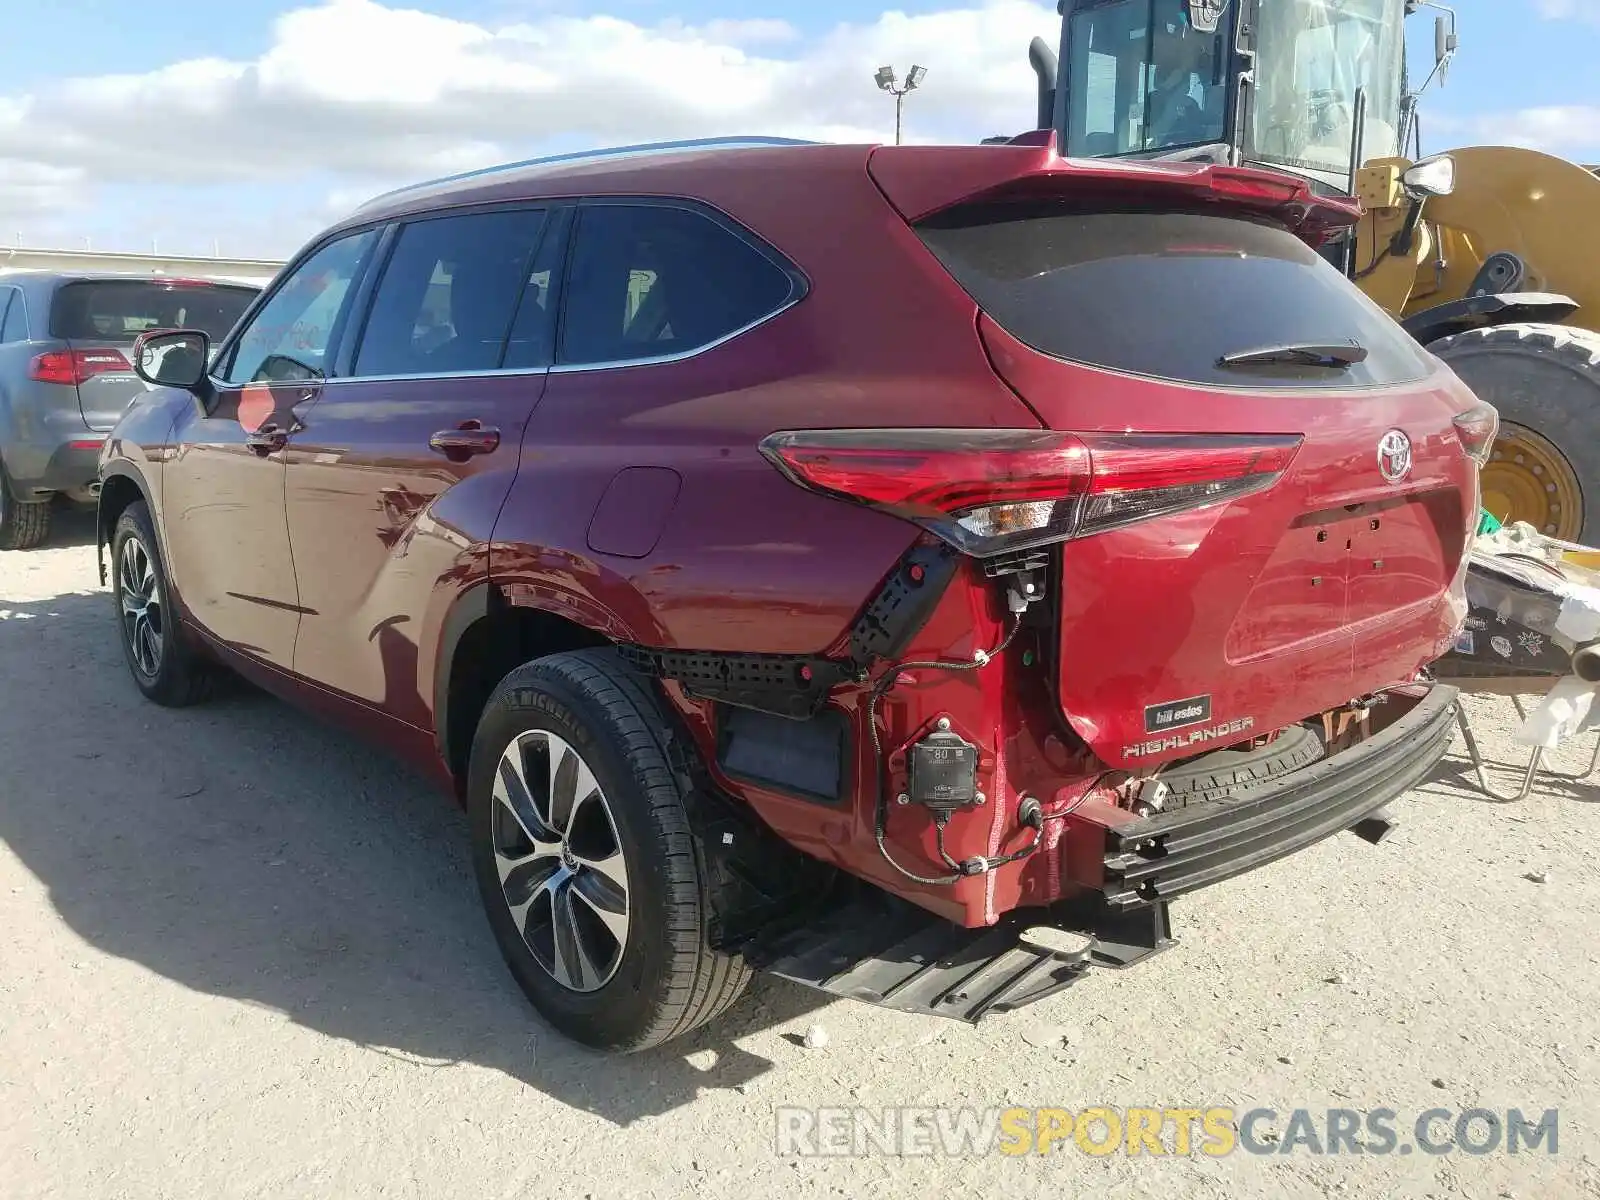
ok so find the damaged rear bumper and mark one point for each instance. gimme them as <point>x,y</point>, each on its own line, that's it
<point>886,951</point>
<point>1160,857</point>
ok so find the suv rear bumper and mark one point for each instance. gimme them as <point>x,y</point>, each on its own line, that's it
<point>886,951</point>
<point>1159,857</point>
<point>66,462</point>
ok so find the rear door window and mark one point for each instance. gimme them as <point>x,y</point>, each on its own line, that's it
<point>120,310</point>
<point>449,293</point>
<point>1168,294</point>
<point>655,280</point>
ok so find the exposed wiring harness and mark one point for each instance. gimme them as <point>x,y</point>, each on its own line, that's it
<point>1030,813</point>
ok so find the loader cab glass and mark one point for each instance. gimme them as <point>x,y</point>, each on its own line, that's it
<point>1142,78</point>
<point>1154,77</point>
<point>1312,56</point>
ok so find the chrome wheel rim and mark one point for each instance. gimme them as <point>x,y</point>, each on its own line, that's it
<point>560,862</point>
<point>139,595</point>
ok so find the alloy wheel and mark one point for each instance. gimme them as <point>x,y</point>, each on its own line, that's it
<point>139,595</point>
<point>560,861</point>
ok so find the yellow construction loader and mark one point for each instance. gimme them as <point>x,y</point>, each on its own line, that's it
<point>1489,256</point>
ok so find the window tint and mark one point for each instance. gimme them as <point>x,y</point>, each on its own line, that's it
<point>120,310</point>
<point>288,337</point>
<point>1167,294</point>
<point>448,294</point>
<point>650,280</point>
<point>13,316</point>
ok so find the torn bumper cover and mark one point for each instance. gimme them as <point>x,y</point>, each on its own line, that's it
<point>1159,857</point>
<point>885,951</point>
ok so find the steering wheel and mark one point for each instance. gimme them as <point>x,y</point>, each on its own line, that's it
<point>1328,112</point>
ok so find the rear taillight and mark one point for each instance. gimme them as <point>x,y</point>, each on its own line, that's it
<point>1477,428</point>
<point>75,366</point>
<point>994,491</point>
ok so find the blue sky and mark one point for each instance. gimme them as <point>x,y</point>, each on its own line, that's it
<point>186,124</point>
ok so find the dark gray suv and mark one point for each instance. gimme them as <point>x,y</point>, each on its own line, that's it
<point>65,377</point>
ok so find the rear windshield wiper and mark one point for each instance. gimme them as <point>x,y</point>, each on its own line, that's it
<point>1336,355</point>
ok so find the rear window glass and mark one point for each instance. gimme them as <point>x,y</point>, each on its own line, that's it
<point>120,310</point>
<point>1167,294</point>
<point>654,280</point>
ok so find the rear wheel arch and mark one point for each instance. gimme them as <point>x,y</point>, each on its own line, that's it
<point>483,639</point>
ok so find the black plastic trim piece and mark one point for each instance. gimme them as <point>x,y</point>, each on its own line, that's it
<point>103,527</point>
<point>882,950</point>
<point>1168,854</point>
<point>904,603</point>
<point>467,609</point>
<point>1475,312</point>
<point>797,685</point>
<point>787,685</point>
<point>791,757</point>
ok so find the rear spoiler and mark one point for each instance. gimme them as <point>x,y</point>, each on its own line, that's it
<point>920,181</point>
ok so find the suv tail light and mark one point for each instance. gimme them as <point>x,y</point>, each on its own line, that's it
<point>995,491</point>
<point>1477,428</point>
<point>75,366</point>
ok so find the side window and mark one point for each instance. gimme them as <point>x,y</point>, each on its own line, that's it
<point>288,337</point>
<point>13,316</point>
<point>448,294</point>
<point>651,280</point>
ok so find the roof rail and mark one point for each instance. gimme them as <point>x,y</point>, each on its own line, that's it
<point>718,143</point>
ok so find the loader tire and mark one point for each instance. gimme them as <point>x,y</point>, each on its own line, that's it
<point>1545,380</point>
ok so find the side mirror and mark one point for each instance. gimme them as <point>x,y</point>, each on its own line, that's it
<point>175,358</point>
<point>1431,177</point>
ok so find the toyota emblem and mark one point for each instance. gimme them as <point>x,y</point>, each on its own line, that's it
<point>1394,455</point>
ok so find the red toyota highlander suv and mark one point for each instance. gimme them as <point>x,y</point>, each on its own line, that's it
<point>904,570</point>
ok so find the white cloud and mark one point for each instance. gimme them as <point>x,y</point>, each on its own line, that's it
<point>1582,10</point>
<point>32,188</point>
<point>359,91</point>
<point>1571,131</point>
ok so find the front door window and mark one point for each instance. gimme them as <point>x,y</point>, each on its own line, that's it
<point>288,339</point>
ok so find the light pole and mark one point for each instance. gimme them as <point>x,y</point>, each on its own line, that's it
<point>886,81</point>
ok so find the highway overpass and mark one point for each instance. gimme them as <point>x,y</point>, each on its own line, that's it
<point>241,270</point>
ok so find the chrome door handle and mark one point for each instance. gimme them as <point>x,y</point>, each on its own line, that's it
<point>467,439</point>
<point>267,439</point>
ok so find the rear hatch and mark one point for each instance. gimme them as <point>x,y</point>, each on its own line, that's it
<point>97,321</point>
<point>1311,506</point>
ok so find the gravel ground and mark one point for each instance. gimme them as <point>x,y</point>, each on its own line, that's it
<point>241,955</point>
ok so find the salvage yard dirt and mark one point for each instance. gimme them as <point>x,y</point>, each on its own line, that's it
<point>241,956</point>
